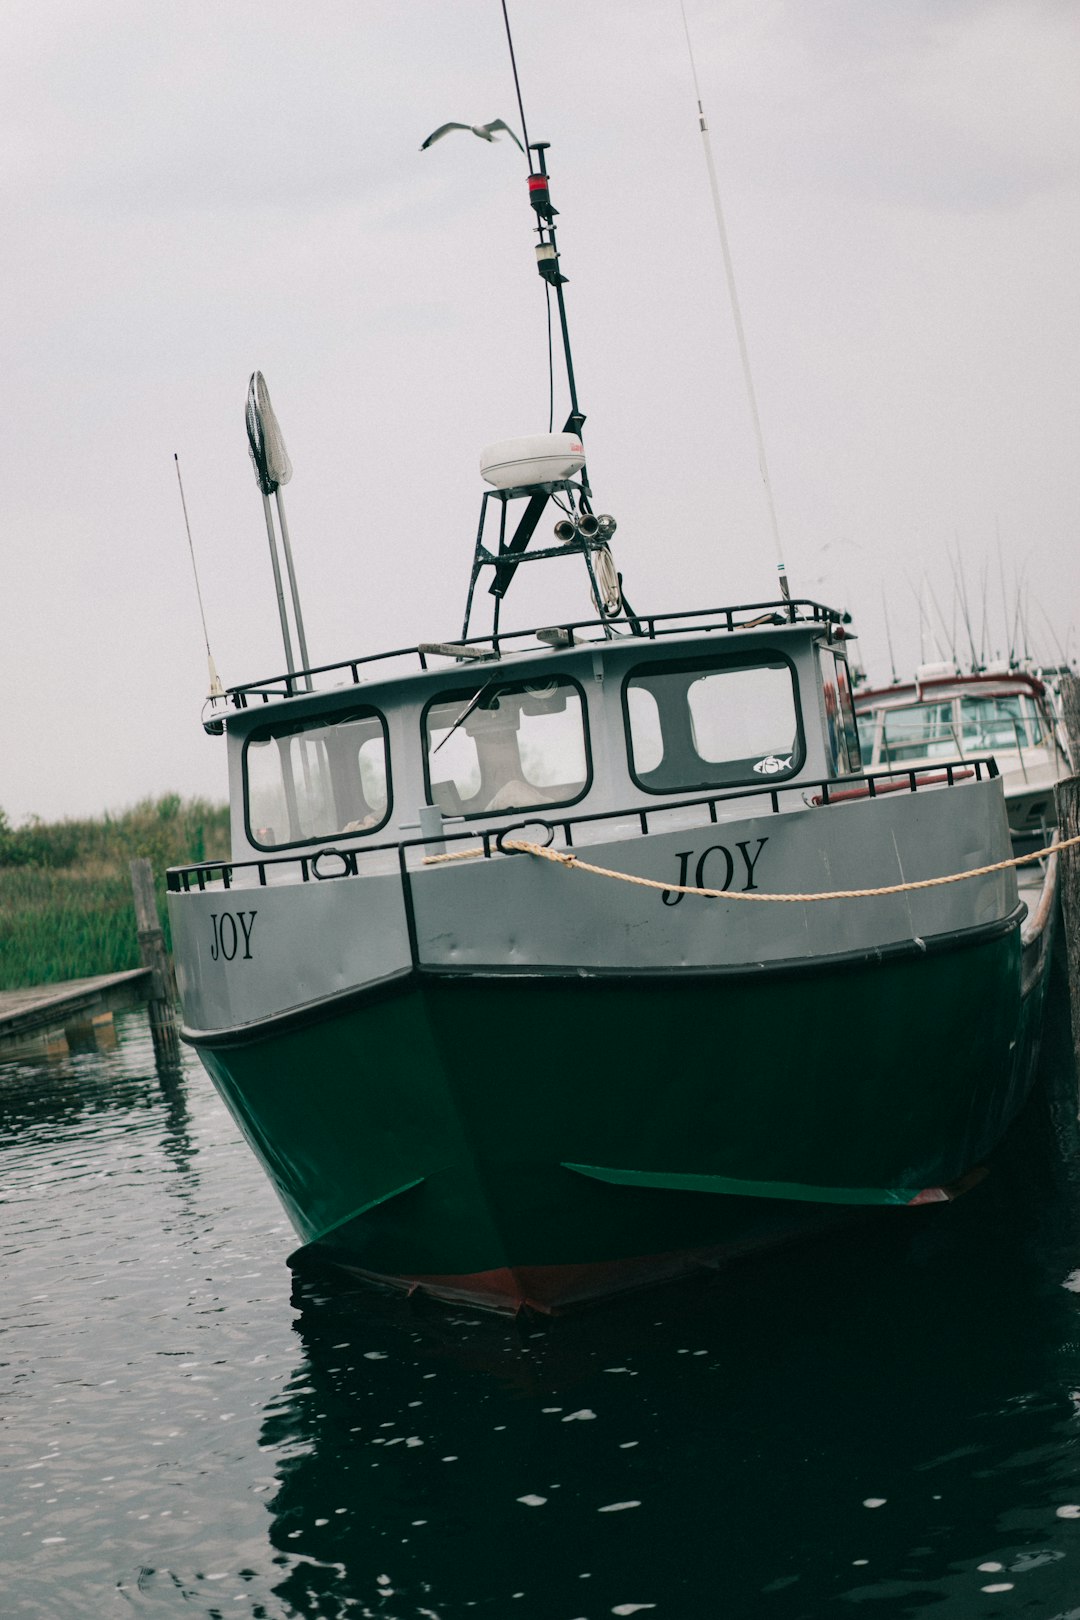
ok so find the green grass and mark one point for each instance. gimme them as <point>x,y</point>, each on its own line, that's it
<point>65,887</point>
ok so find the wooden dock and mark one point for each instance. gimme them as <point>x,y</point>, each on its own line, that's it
<point>52,1017</point>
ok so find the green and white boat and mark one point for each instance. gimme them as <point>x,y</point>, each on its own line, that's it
<point>501,1079</point>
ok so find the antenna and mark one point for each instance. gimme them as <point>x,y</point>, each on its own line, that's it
<point>547,262</point>
<point>1055,638</point>
<point>547,256</point>
<point>888,636</point>
<point>920,596</point>
<point>216,688</point>
<point>985,628</point>
<point>960,592</point>
<point>744,355</point>
<point>950,639</point>
<point>1014,643</point>
<point>588,534</point>
<point>1004,593</point>
<point>517,82</point>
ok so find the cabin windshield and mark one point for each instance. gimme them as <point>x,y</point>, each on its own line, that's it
<point>695,725</point>
<point>971,724</point>
<point>506,746</point>
<point>1001,722</point>
<point>924,731</point>
<point>315,779</point>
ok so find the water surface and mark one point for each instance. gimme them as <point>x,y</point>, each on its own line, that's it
<point>884,1423</point>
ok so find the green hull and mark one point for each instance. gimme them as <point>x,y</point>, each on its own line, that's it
<point>457,1128</point>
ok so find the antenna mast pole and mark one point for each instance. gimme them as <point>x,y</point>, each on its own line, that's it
<point>547,262</point>
<point>547,253</point>
<point>290,661</point>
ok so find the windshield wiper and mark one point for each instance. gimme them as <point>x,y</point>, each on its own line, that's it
<point>465,713</point>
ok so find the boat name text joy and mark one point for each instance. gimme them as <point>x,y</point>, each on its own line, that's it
<point>701,881</point>
<point>228,937</point>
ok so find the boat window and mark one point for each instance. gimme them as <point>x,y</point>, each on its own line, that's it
<point>842,728</point>
<point>312,779</point>
<point>1006,721</point>
<point>508,745</point>
<point>923,731</point>
<point>694,725</point>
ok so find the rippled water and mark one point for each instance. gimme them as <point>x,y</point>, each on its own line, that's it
<point>889,1418</point>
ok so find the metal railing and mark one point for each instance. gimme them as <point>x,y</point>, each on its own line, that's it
<point>650,627</point>
<point>337,862</point>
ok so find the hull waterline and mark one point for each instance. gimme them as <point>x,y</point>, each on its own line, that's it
<point>549,1140</point>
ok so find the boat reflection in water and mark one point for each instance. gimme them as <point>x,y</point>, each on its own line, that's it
<point>708,1448</point>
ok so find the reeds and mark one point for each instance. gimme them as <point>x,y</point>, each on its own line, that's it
<point>65,887</point>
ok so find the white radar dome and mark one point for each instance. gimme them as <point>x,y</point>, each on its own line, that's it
<point>543,458</point>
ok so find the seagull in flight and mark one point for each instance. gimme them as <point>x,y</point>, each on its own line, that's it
<point>486,132</point>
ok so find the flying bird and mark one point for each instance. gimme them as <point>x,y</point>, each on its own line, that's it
<point>486,132</point>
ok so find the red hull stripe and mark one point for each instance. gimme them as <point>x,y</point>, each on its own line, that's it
<point>555,1289</point>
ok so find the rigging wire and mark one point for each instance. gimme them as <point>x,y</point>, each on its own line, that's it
<point>729,272</point>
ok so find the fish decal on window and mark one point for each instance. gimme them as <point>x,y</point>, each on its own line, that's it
<point>772,765</point>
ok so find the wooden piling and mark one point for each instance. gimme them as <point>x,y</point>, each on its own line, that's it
<point>1067,796</point>
<point>162,999</point>
<point>1069,698</point>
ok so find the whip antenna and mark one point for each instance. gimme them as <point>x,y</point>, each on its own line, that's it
<point>888,636</point>
<point>517,82</point>
<point>216,688</point>
<point>744,355</point>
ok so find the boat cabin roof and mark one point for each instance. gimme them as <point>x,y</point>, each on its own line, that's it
<point>600,636</point>
<point>690,718</point>
<point>943,688</point>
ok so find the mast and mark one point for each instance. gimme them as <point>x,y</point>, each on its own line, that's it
<point>547,262</point>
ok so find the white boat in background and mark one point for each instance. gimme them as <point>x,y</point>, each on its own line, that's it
<point>944,717</point>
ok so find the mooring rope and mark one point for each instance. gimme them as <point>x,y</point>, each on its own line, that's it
<point>566,858</point>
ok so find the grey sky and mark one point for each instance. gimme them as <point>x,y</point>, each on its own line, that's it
<point>190,192</point>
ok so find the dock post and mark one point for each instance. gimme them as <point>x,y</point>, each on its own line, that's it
<point>160,1006</point>
<point>1067,796</point>
<point>1069,695</point>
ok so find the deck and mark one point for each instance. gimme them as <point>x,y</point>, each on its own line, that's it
<point>46,1015</point>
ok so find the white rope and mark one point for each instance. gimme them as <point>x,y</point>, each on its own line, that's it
<point>566,858</point>
<point>607,581</point>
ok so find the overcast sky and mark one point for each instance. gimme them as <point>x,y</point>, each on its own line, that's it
<point>193,191</point>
